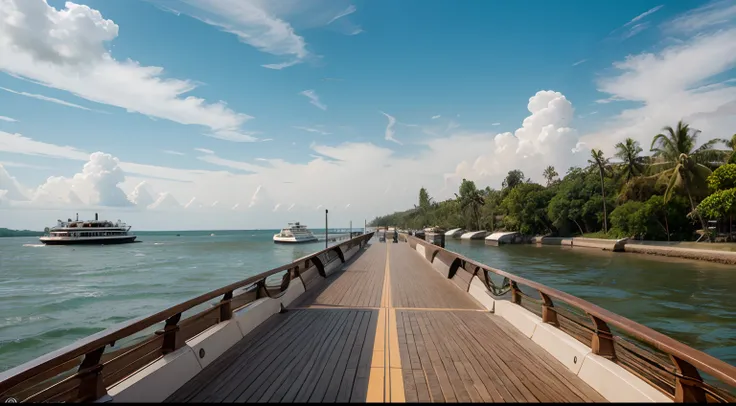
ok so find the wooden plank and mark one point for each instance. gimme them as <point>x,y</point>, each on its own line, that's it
<point>277,391</point>
<point>348,380</point>
<point>360,387</point>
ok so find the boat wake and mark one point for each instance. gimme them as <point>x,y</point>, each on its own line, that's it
<point>34,245</point>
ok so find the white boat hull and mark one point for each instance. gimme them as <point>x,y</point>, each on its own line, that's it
<point>292,240</point>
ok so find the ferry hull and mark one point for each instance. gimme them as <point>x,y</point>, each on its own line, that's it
<point>294,241</point>
<point>91,241</point>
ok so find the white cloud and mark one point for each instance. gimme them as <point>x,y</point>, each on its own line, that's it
<point>254,198</point>
<point>12,189</point>
<point>350,10</point>
<point>673,84</point>
<point>494,124</point>
<point>170,152</point>
<point>8,119</point>
<point>141,195</point>
<point>313,99</point>
<point>165,201</point>
<point>436,117</point>
<point>253,23</point>
<point>312,130</point>
<point>16,143</point>
<point>235,206</point>
<point>205,150</point>
<point>45,98</point>
<point>190,203</point>
<point>291,207</point>
<point>389,135</point>
<point>97,184</point>
<point>66,49</point>
<point>234,136</point>
<point>644,14</point>
<point>545,138</point>
<point>276,207</point>
<point>580,62</point>
<point>712,15</point>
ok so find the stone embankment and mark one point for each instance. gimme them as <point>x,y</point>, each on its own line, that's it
<point>724,257</point>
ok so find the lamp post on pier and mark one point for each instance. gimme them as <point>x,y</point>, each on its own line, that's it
<point>326,234</point>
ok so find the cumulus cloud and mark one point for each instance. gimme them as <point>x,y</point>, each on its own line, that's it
<point>141,195</point>
<point>66,49</point>
<point>389,135</point>
<point>313,99</point>
<point>312,130</point>
<point>545,138</point>
<point>98,183</point>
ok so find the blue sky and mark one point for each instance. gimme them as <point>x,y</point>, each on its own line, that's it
<point>455,76</point>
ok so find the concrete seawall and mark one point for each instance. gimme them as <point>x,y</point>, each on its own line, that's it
<point>723,257</point>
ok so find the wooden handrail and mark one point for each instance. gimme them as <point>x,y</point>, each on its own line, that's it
<point>98,341</point>
<point>714,367</point>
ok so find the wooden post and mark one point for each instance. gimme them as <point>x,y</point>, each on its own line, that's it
<point>91,385</point>
<point>602,341</point>
<point>549,314</point>
<point>226,309</point>
<point>172,340</point>
<point>515,293</point>
<point>686,386</point>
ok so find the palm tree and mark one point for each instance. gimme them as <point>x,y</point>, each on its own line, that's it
<point>550,174</point>
<point>632,165</point>
<point>602,164</point>
<point>684,165</point>
<point>730,157</point>
<point>470,198</point>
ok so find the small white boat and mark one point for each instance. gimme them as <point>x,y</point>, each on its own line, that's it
<point>88,232</point>
<point>296,233</point>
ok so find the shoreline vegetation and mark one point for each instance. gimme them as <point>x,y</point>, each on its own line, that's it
<point>6,232</point>
<point>683,191</point>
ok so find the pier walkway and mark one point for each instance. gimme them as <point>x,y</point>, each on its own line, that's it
<point>365,321</point>
<point>386,327</point>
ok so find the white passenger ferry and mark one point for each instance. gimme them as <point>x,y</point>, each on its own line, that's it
<point>88,232</point>
<point>296,233</point>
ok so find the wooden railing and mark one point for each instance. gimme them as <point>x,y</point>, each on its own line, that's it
<point>668,365</point>
<point>83,371</point>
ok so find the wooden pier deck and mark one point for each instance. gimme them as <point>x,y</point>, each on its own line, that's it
<point>386,327</point>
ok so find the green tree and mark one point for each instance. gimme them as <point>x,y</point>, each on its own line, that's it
<point>632,165</point>
<point>550,174</point>
<point>730,156</point>
<point>599,161</point>
<point>682,163</point>
<point>513,178</point>
<point>470,200</point>
<point>526,206</point>
<point>722,202</point>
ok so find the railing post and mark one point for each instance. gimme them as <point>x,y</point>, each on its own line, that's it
<point>261,290</point>
<point>549,314</point>
<point>515,293</point>
<point>226,308</point>
<point>91,385</point>
<point>172,340</point>
<point>602,341</point>
<point>686,383</point>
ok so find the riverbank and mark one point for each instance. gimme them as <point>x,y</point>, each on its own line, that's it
<point>723,253</point>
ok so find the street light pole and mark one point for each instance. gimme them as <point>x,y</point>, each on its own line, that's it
<point>326,234</point>
<point>351,228</point>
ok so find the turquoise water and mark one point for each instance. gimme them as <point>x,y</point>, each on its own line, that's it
<point>52,296</point>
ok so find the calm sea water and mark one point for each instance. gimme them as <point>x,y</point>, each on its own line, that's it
<point>52,296</point>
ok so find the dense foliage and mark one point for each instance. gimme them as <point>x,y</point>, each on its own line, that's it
<point>648,197</point>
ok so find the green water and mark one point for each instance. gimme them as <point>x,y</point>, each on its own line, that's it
<point>51,296</point>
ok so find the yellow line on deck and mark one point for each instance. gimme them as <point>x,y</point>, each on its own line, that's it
<point>385,383</point>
